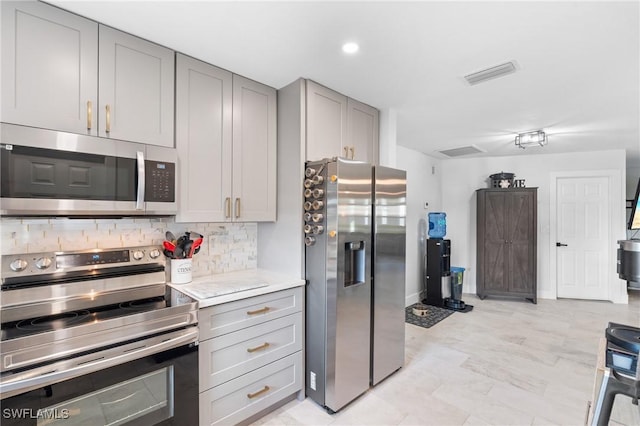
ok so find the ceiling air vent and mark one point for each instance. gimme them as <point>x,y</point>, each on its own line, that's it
<point>457,152</point>
<point>490,73</point>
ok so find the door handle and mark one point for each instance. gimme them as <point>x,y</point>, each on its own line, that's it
<point>561,245</point>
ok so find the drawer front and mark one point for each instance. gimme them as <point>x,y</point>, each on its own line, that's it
<point>226,357</point>
<point>238,399</point>
<point>228,317</point>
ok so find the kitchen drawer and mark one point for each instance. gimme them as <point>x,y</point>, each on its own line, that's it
<point>238,399</point>
<point>228,317</point>
<point>224,358</point>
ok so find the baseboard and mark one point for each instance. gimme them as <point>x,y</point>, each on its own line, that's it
<point>411,299</point>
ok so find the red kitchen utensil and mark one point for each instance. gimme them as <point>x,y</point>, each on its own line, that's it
<point>169,246</point>
<point>195,246</point>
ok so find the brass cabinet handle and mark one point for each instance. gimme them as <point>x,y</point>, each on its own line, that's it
<point>259,311</point>
<point>260,392</point>
<point>108,111</point>
<point>353,151</point>
<point>265,345</point>
<point>89,114</point>
<point>227,207</point>
<point>237,208</point>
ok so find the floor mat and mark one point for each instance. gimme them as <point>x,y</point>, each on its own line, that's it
<point>433,316</point>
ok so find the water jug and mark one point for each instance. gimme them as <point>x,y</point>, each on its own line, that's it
<point>437,224</point>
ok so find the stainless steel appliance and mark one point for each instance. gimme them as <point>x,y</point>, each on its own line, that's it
<point>388,278</point>
<point>355,269</point>
<point>628,265</point>
<point>92,337</point>
<point>45,172</point>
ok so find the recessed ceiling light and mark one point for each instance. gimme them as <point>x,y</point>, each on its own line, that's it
<point>350,48</point>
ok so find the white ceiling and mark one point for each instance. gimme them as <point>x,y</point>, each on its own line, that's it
<point>578,76</point>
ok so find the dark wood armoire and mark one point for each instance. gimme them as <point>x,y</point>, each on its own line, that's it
<point>507,242</point>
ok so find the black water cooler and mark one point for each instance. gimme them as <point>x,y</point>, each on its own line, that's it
<point>437,271</point>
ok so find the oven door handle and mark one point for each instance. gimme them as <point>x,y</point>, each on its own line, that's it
<point>100,360</point>
<point>141,180</point>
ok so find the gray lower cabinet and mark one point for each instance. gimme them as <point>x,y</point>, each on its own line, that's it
<point>507,242</point>
<point>250,355</point>
<point>63,72</point>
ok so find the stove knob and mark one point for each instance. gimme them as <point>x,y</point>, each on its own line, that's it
<point>154,254</point>
<point>18,265</point>
<point>43,263</point>
<point>138,254</point>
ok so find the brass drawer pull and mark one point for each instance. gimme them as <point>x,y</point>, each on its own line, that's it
<point>259,311</point>
<point>265,345</point>
<point>260,392</point>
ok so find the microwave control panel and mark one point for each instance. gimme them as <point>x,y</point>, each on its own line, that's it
<point>160,181</point>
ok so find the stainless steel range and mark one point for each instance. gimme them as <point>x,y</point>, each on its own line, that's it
<point>92,335</point>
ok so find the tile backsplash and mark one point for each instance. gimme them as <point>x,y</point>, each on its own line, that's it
<point>227,246</point>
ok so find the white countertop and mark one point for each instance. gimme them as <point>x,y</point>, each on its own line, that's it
<point>201,287</point>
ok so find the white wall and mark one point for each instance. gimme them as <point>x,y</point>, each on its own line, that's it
<point>461,178</point>
<point>422,186</point>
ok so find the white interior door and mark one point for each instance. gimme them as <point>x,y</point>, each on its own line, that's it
<point>583,220</point>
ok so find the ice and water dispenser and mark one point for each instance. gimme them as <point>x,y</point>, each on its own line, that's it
<point>443,282</point>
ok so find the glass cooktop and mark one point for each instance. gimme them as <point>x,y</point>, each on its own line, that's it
<point>28,327</point>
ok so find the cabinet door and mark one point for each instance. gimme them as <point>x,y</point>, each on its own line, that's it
<point>49,68</point>
<point>136,88</point>
<point>494,247</point>
<point>363,131</point>
<point>254,151</point>
<point>520,232</point>
<point>204,96</point>
<point>326,123</point>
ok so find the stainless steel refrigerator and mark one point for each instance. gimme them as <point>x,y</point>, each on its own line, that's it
<point>354,223</point>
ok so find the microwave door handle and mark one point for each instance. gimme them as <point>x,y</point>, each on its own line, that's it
<point>141,181</point>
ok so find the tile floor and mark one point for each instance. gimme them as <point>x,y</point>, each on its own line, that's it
<point>508,362</point>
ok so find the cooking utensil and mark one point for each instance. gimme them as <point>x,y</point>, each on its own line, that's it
<point>170,237</point>
<point>179,250</point>
<point>169,246</point>
<point>187,249</point>
<point>195,247</point>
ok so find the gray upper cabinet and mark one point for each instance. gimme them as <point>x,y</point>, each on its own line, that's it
<point>63,72</point>
<point>136,89</point>
<point>204,96</point>
<point>338,126</point>
<point>326,122</point>
<point>49,68</point>
<point>254,151</point>
<point>363,131</point>
<point>226,141</point>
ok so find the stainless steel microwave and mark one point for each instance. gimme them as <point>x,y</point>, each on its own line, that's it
<point>50,173</point>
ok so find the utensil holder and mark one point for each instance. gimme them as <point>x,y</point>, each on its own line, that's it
<point>181,271</point>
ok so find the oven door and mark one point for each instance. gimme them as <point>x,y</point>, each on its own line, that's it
<point>160,388</point>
